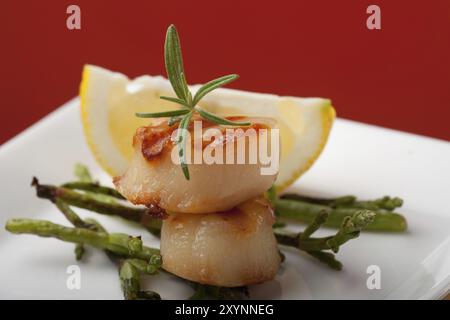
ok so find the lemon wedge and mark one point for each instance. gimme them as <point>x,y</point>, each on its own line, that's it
<point>109,101</point>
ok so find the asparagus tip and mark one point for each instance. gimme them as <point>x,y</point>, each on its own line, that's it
<point>11,225</point>
<point>363,218</point>
<point>156,260</point>
<point>44,191</point>
<point>135,244</point>
<point>79,252</point>
<point>34,181</point>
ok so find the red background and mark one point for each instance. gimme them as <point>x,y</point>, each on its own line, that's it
<point>398,77</point>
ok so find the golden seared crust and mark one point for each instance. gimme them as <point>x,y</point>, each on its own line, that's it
<point>156,139</point>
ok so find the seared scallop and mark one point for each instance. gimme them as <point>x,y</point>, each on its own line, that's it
<point>155,178</point>
<point>229,249</point>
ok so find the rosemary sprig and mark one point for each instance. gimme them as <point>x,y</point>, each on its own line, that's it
<point>173,113</point>
<point>184,123</point>
<point>189,104</point>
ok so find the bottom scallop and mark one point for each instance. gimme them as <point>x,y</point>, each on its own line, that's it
<point>229,249</point>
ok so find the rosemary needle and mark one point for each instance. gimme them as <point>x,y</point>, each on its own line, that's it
<point>175,72</point>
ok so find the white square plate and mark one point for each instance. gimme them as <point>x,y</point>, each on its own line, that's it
<point>359,159</point>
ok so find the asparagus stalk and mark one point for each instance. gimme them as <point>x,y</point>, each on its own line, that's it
<point>132,256</point>
<point>350,229</point>
<point>75,220</point>
<point>94,188</point>
<point>316,247</point>
<point>328,258</point>
<point>318,221</point>
<point>84,178</point>
<point>303,211</point>
<point>71,216</point>
<point>129,269</point>
<point>384,203</point>
<point>129,274</point>
<point>119,243</point>
<point>87,184</point>
<point>148,217</point>
<point>82,173</point>
<point>114,245</point>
